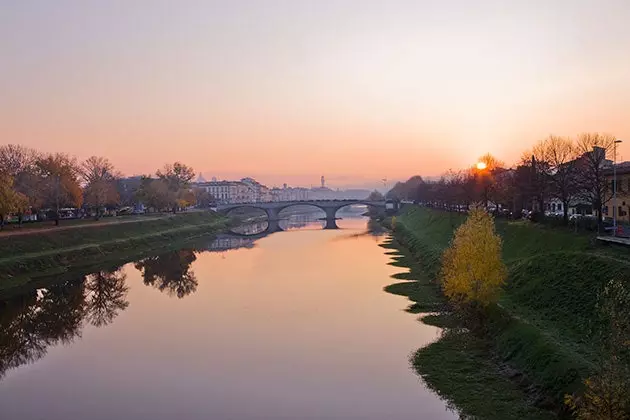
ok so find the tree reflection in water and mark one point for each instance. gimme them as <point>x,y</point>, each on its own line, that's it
<point>31,322</point>
<point>37,319</point>
<point>170,272</point>
<point>21,339</point>
<point>107,294</point>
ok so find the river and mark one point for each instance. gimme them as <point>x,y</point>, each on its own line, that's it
<point>294,325</point>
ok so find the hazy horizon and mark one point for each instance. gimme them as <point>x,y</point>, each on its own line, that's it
<point>287,91</point>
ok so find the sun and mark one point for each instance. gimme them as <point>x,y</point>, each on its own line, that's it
<point>481,166</point>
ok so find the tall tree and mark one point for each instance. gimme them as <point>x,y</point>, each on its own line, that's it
<point>591,166</point>
<point>59,182</point>
<point>534,161</point>
<point>100,180</point>
<point>154,193</point>
<point>11,201</point>
<point>177,178</point>
<point>15,159</point>
<point>559,158</point>
<point>472,269</point>
<point>486,171</point>
<point>375,196</point>
<point>405,190</point>
<point>19,162</point>
<point>203,198</point>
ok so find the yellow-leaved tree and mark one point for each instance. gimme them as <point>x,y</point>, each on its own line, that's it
<point>472,269</point>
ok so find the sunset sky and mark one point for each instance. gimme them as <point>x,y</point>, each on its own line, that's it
<point>287,91</point>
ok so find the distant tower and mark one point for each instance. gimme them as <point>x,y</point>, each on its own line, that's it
<point>323,182</point>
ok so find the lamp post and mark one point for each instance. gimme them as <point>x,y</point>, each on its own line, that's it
<point>615,187</point>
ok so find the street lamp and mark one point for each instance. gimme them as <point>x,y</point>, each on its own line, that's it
<point>615,186</point>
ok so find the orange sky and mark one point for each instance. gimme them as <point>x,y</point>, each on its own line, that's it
<point>289,90</point>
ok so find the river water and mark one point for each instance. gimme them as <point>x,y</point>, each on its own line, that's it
<point>294,325</point>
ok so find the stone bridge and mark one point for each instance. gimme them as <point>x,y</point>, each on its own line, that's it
<point>273,209</point>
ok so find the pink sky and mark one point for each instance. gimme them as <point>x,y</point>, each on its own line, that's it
<point>287,91</point>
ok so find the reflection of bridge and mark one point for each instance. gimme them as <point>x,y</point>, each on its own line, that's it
<point>330,207</point>
<point>226,242</point>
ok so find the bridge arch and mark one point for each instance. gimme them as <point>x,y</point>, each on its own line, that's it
<point>273,209</point>
<point>261,216</point>
<point>365,203</point>
<point>301,203</point>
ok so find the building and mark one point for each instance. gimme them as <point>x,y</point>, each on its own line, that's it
<point>260,192</point>
<point>265,194</point>
<point>228,192</point>
<point>623,192</point>
<point>290,194</point>
<point>581,202</point>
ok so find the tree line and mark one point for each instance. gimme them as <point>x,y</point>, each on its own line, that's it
<point>32,182</point>
<point>572,171</point>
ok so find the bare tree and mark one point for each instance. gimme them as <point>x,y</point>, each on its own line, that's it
<point>535,162</point>
<point>591,167</point>
<point>15,159</point>
<point>486,176</point>
<point>100,178</point>
<point>558,157</point>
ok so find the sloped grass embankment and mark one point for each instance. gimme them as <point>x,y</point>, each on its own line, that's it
<point>26,257</point>
<point>541,332</point>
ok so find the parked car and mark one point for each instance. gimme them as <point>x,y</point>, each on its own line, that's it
<point>125,210</point>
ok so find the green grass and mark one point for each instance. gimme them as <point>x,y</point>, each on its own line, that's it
<point>545,324</point>
<point>52,253</point>
<point>54,239</point>
<point>459,367</point>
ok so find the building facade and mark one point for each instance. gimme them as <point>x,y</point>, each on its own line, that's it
<point>228,192</point>
<point>623,193</point>
<point>260,192</point>
<point>290,194</point>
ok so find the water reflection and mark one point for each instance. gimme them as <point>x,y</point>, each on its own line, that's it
<point>31,322</point>
<point>107,296</point>
<point>277,356</point>
<point>226,243</point>
<point>170,272</point>
<point>251,228</point>
<point>313,220</point>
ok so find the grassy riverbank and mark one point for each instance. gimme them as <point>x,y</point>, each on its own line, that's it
<point>24,258</point>
<point>540,334</point>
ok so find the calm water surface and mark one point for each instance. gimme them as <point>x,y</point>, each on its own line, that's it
<point>292,326</point>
